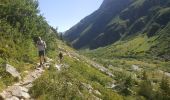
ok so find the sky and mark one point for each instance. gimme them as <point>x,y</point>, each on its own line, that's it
<point>64,14</point>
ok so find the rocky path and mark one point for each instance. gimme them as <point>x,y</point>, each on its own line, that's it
<point>19,91</point>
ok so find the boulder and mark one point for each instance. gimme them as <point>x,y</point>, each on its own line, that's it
<point>10,69</point>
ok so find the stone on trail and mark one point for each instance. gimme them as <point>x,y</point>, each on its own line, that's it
<point>97,92</point>
<point>19,91</point>
<point>5,94</point>
<point>48,60</point>
<point>10,69</point>
<point>12,98</point>
<point>29,86</point>
<point>58,67</point>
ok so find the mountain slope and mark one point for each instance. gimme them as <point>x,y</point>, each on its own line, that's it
<point>94,24</point>
<point>119,19</point>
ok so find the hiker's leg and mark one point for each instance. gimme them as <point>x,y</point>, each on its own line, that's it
<point>44,60</point>
<point>39,52</point>
<point>44,57</point>
<point>60,60</point>
<point>40,60</point>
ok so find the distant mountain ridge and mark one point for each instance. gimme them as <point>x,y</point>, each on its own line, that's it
<point>118,20</point>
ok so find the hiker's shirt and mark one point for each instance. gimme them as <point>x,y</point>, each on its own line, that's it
<point>41,45</point>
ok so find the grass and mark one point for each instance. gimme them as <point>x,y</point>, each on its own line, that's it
<point>120,56</point>
<point>78,72</point>
<point>134,47</point>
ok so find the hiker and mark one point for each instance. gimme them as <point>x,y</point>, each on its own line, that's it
<point>60,57</point>
<point>41,45</point>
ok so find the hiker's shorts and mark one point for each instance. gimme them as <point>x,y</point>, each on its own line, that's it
<point>41,53</point>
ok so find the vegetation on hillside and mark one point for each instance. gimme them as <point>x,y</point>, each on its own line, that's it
<point>76,80</point>
<point>138,59</point>
<point>20,24</point>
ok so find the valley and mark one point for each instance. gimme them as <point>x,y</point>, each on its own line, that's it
<point>119,52</point>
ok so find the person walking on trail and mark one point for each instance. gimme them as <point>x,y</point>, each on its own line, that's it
<point>41,45</point>
<point>60,57</point>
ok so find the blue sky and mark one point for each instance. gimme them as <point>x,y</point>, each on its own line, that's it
<point>66,13</point>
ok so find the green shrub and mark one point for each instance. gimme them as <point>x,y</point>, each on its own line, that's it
<point>146,89</point>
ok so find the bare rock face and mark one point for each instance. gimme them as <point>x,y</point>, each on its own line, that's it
<point>10,69</point>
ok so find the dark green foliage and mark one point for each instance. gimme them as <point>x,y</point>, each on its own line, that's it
<point>165,88</point>
<point>153,29</point>
<point>163,16</point>
<point>164,91</point>
<point>165,84</point>
<point>128,84</point>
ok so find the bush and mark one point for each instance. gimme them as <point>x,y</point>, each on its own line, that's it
<point>146,89</point>
<point>56,85</point>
